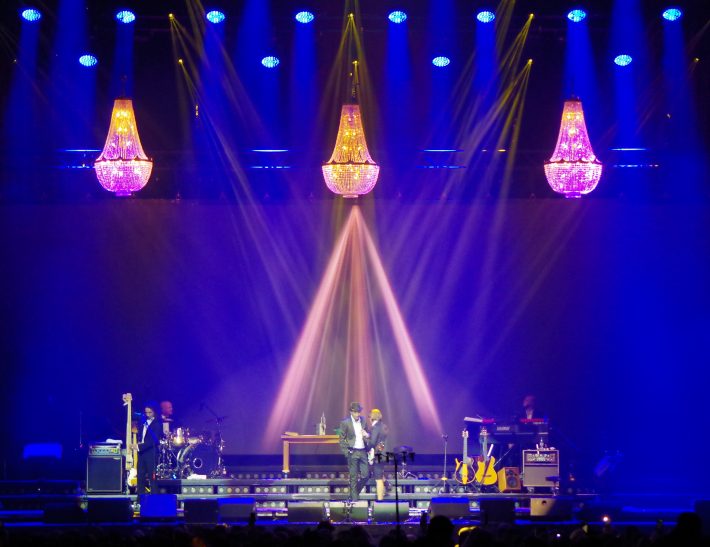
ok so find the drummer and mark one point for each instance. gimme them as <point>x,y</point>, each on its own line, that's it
<point>167,417</point>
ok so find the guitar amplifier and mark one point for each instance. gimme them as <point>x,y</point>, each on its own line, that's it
<point>541,468</point>
<point>104,474</point>
<point>509,479</point>
<point>105,449</point>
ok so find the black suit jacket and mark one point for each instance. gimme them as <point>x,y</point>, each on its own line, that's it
<point>148,448</point>
<point>347,434</point>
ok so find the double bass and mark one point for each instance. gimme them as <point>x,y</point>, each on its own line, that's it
<point>131,452</point>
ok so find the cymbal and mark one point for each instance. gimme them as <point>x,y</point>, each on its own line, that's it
<point>403,448</point>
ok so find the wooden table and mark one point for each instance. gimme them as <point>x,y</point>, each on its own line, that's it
<point>304,439</point>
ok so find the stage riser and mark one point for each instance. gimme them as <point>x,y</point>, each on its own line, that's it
<point>328,489</point>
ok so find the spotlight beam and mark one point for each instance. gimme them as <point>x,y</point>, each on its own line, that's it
<point>348,301</point>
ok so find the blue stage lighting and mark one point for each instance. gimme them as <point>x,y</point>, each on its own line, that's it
<point>125,16</point>
<point>31,15</point>
<point>215,16</point>
<point>397,17</point>
<point>441,61</point>
<point>623,60</point>
<point>270,61</point>
<point>672,14</point>
<point>88,60</point>
<point>305,17</point>
<point>486,16</point>
<point>577,15</point>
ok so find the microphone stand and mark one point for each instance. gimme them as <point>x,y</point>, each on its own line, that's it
<point>221,469</point>
<point>394,455</point>
<point>444,489</point>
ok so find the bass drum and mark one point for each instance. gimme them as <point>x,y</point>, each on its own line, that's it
<point>198,459</point>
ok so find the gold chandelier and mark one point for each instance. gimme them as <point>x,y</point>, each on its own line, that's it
<point>351,171</point>
<point>123,167</point>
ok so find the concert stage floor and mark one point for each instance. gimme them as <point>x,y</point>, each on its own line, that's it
<point>293,501</point>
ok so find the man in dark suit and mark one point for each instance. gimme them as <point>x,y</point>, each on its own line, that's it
<point>353,444</point>
<point>149,434</point>
<point>378,449</point>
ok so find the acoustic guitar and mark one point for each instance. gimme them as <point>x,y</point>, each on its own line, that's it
<point>463,473</point>
<point>485,471</point>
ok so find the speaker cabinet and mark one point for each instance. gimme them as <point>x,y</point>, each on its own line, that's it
<point>454,508</point>
<point>497,510</point>
<point>702,509</point>
<point>63,512</point>
<point>110,510</point>
<point>104,474</point>
<point>386,511</point>
<point>541,468</point>
<point>158,506</point>
<point>358,511</point>
<point>509,479</point>
<point>306,511</point>
<point>236,509</point>
<point>551,508</point>
<point>201,511</point>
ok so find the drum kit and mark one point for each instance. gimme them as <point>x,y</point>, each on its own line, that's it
<point>183,454</point>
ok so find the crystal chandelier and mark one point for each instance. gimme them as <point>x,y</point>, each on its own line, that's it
<point>573,169</point>
<point>351,171</point>
<point>123,166</point>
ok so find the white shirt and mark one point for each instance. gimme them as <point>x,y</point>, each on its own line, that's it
<point>145,429</point>
<point>359,441</point>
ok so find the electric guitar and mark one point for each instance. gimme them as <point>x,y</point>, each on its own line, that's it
<point>131,440</point>
<point>463,473</point>
<point>485,472</point>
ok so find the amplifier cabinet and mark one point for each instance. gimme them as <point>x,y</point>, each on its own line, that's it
<point>541,468</point>
<point>104,474</point>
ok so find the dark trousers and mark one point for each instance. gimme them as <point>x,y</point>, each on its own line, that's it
<point>146,469</point>
<point>359,472</point>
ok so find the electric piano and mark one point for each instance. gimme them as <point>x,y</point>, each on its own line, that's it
<point>534,431</point>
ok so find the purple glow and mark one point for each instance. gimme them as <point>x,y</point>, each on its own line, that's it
<point>573,169</point>
<point>123,167</point>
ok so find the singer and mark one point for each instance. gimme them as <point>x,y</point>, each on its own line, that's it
<point>353,444</point>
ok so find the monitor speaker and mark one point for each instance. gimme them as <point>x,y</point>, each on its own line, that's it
<point>110,510</point>
<point>454,508</point>
<point>509,479</point>
<point>358,511</point>
<point>158,506</point>
<point>702,509</point>
<point>386,511</point>
<point>63,512</point>
<point>497,510</point>
<point>551,508</point>
<point>199,511</point>
<point>306,511</point>
<point>104,474</point>
<point>236,509</point>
